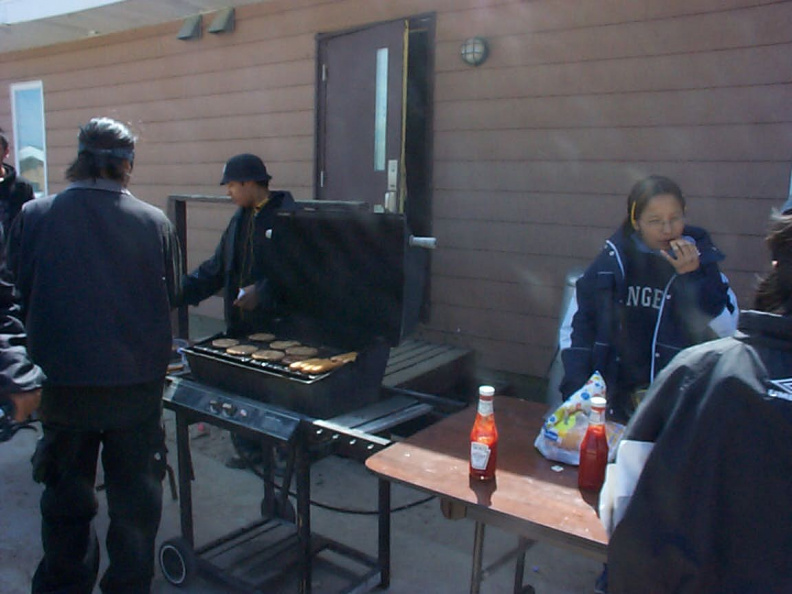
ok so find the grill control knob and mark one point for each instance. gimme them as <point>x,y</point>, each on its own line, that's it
<point>229,409</point>
<point>214,406</point>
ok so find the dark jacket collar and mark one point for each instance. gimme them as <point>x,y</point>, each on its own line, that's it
<point>100,183</point>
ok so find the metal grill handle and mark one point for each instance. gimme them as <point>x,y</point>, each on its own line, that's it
<point>427,243</point>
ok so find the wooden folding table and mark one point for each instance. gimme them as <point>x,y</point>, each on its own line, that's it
<point>532,497</point>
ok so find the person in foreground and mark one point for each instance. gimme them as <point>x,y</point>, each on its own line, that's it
<point>97,271</point>
<point>709,449</point>
<point>654,290</point>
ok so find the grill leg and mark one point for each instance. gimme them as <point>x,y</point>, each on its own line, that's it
<point>185,478</point>
<point>304,513</point>
<point>286,480</point>
<point>268,474</point>
<point>384,552</point>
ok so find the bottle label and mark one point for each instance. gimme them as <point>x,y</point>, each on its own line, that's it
<point>479,455</point>
<point>485,406</point>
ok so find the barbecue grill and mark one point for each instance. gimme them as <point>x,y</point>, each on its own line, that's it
<point>346,282</point>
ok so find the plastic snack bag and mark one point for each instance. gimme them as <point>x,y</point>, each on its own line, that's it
<point>560,436</point>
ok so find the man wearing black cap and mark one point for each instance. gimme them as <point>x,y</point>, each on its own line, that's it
<point>238,263</point>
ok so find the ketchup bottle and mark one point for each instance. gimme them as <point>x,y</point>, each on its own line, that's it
<point>594,448</point>
<point>484,438</point>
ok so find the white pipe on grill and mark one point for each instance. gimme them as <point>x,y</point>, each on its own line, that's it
<point>427,243</point>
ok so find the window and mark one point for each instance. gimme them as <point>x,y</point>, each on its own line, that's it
<point>30,146</point>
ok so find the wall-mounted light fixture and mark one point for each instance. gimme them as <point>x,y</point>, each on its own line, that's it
<point>474,51</point>
<point>191,27</point>
<point>223,21</point>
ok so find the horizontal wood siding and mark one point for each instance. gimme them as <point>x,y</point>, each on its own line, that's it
<point>534,151</point>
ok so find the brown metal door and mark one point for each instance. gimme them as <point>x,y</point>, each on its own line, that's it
<point>361,116</point>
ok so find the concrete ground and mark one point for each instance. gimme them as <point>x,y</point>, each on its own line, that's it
<point>429,553</point>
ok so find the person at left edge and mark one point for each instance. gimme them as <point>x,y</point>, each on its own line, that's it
<point>97,271</point>
<point>20,378</point>
<point>238,265</point>
<point>14,190</point>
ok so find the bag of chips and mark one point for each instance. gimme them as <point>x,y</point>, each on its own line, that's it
<point>560,437</point>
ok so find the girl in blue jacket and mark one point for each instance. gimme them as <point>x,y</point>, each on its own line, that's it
<point>654,290</point>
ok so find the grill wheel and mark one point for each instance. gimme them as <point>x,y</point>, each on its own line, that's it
<point>177,561</point>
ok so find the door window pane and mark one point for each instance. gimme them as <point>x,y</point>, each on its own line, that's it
<point>30,147</point>
<point>381,109</point>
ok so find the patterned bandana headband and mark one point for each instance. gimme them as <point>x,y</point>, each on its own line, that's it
<point>118,152</point>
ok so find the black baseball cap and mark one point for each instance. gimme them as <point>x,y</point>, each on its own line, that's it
<point>245,167</point>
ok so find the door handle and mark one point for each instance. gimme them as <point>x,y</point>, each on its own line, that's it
<point>393,175</point>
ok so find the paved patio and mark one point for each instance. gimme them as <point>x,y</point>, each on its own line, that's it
<point>429,553</point>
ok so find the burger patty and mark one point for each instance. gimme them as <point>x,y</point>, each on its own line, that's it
<point>268,355</point>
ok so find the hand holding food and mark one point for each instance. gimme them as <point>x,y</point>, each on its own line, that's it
<point>247,299</point>
<point>685,256</point>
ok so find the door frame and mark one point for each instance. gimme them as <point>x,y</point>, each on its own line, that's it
<point>418,186</point>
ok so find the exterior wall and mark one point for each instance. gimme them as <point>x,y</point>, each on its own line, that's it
<point>535,150</point>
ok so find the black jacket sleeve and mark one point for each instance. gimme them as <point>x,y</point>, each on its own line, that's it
<point>209,277</point>
<point>173,265</point>
<point>710,288</point>
<point>17,372</point>
<point>582,356</point>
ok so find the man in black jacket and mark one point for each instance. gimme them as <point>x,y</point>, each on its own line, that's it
<point>239,263</point>
<point>14,190</point>
<point>98,271</point>
<point>706,505</point>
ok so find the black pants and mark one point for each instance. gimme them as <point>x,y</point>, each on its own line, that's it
<point>133,458</point>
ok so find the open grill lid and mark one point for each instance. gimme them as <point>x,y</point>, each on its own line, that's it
<point>350,273</point>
